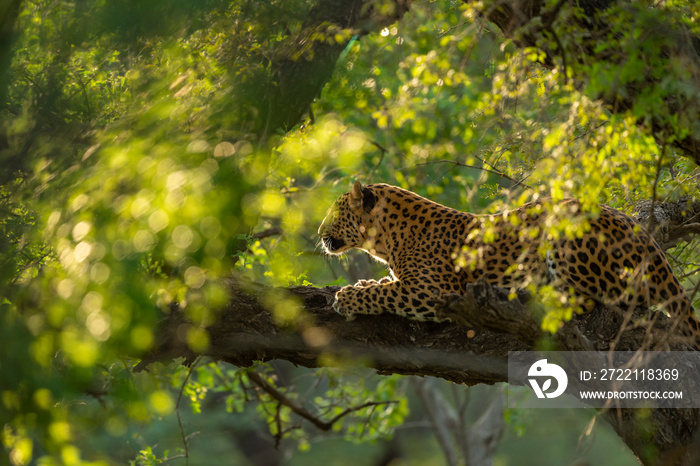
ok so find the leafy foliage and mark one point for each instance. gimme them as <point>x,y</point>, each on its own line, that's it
<point>141,166</point>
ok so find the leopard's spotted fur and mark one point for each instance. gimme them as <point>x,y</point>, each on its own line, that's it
<point>432,249</point>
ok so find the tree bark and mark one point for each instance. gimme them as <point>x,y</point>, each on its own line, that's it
<point>670,222</point>
<point>470,352</point>
<point>9,12</point>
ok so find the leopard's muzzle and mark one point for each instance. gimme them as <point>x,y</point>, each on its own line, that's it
<point>332,244</point>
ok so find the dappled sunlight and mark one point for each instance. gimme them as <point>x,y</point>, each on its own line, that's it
<point>153,151</point>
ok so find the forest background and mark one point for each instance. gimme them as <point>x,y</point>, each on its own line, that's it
<point>152,150</point>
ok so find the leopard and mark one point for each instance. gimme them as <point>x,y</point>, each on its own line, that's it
<point>600,254</point>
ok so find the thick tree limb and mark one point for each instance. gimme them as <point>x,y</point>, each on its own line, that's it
<point>247,332</point>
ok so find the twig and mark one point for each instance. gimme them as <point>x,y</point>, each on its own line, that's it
<point>550,29</point>
<point>283,400</point>
<point>383,150</point>
<point>695,291</point>
<point>465,165</point>
<point>552,15</point>
<point>278,424</point>
<point>177,411</point>
<point>267,233</point>
<point>652,217</point>
<point>448,30</point>
<point>85,95</point>
<point>357,408</point>
<point>31,264</point>
<point>380,147</point>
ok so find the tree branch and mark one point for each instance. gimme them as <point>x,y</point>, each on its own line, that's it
<point>473,349</point>
<point>247,332</point>
<point>672,221</point>
<point>284,400</point>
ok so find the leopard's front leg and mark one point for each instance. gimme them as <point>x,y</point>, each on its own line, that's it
<point>412,298</point>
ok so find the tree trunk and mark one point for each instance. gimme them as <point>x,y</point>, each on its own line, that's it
<point>298,75</point>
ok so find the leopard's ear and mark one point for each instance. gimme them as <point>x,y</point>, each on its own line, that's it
<point>361,197</point>
<point>356,195</point>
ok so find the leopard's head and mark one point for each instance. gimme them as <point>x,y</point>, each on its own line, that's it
<point>349,222</point>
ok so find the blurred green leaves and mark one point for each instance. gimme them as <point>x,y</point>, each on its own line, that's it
<point>144,158</point>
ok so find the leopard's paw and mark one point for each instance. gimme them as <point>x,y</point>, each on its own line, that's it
<point>343,310</point>
<point>363,282</point>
